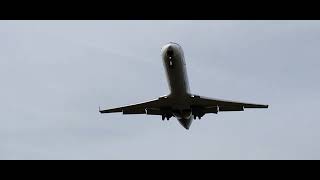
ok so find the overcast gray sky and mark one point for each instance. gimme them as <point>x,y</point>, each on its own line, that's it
<point>55,74</point>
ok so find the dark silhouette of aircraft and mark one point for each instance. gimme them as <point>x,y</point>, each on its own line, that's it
<point>180,103</point>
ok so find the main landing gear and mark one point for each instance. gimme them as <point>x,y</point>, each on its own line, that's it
<point>195,117</point>
<point>164,116</point>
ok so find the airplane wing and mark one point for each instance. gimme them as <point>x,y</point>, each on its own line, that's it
<point>161,105</point>
<point>223,105</point>
<point>149,107</point>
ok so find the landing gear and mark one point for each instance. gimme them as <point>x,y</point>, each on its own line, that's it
<point>197,112</point>
<point>195,117</point>
<point>170,63</point>
<point>164,116</point>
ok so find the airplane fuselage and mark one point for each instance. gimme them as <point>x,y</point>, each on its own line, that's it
<point>176,73</point>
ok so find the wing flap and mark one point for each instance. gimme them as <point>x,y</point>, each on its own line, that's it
<point>231,108</point>
<point>223,105</point>
<point>140,108</point>
<point>153,111</point>
<point>133,111</point>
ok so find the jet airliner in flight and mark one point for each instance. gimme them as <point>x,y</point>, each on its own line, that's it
<point>180,102</point>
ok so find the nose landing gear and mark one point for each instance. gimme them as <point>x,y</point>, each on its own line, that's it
<point>170,55</point>
<point>170,63</point>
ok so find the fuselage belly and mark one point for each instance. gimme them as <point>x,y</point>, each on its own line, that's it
<point>176,73</point>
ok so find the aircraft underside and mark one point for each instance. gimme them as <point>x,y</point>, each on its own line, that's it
<point>180,103</point>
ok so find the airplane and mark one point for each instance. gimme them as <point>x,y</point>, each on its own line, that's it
<point>180,102</point>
